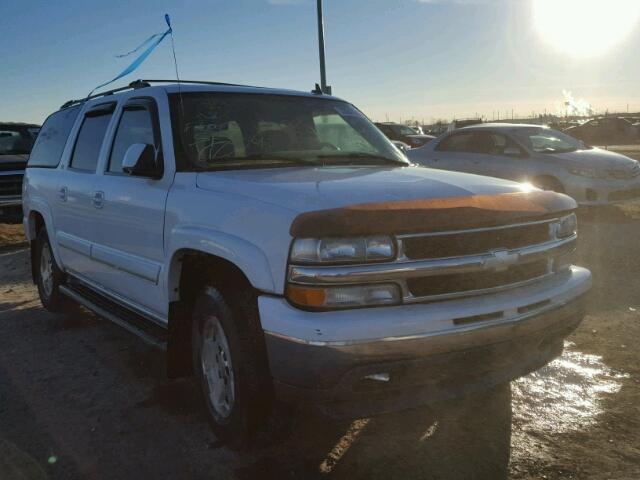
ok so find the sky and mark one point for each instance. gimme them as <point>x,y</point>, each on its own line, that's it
<point>394,59</point>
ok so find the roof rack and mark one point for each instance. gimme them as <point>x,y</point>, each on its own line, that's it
<point>142,83</point>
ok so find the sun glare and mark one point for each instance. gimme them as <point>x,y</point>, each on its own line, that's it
<point>584,28</point>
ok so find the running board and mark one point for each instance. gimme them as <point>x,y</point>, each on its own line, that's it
<point>147,330</point>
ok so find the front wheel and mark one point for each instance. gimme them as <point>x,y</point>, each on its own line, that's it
<point>228,368</point>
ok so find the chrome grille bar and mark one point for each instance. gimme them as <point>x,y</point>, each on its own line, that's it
<point>404,269</point>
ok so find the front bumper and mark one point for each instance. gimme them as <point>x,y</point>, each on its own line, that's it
<point>430,352</point>
<point>594,192</point>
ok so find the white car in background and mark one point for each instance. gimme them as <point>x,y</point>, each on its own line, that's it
<point>545,157</point>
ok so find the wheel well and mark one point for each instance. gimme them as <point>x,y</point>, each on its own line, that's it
<point>36,223</point>
<point>191,271</point>
<point>547,181</point>
<point>199,269</point>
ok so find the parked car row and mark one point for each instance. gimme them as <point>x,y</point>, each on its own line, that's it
<point>606,131</point>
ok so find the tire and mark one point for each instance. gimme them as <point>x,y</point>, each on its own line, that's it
<point>549,183</point>
<point>230,366</point>
<point>49,277</point>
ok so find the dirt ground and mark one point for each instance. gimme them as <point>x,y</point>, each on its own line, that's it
<point>11,235</point>
<point>80,398</point>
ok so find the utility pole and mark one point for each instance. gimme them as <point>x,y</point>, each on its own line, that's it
<point>323,73</point>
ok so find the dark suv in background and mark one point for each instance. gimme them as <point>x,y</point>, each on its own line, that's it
<point>403,133</point>
<point>16,141</point>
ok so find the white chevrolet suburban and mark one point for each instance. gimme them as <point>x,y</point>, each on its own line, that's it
<point>278,246</point>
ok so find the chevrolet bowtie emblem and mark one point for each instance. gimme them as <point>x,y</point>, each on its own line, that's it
<point>501,260</point>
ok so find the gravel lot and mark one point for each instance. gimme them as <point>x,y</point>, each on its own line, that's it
<point>80,398</point>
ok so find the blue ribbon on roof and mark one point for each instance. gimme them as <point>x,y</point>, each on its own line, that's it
<point>153,41</point>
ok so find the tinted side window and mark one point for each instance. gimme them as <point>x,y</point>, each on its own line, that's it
<point>85,153</point>
<point>135,127</point>
<point>459,142</point>
<point>489,143</point>
<point>52,138</point>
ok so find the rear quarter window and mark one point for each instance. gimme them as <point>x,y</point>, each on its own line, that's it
<point>52,138</point>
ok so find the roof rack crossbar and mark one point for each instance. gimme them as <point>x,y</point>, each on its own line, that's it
<point>141,83</point>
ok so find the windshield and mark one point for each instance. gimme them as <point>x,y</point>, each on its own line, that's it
<point>407,130</point>
<point>223,131</point>
<point>546,140</point>
<point>17,139</point>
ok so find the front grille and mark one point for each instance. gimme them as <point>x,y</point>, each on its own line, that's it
<point>475,242</point>
<point>624,195</point>
<point>10,185</point>
<point>624,174</point>
<point>466,282</point>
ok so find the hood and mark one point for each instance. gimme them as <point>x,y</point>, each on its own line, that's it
<point>304,189</point>
<point>597,158</point>
<point>13,162</point>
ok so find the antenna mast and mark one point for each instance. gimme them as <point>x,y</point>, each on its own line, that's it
<point>323,74</point>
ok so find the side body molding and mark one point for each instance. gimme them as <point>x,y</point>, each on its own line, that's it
<point>249,258</point>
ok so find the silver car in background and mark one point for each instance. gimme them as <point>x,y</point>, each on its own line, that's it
<point>542,156</point>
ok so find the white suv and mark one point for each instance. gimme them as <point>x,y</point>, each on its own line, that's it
<point>280,247</point>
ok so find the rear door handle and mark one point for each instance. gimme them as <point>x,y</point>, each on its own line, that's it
<point>62,193</point>
<point>98,199</point>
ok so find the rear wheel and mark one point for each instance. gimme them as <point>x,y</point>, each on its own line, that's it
<point>549,183</point>
<point>49,277</point>
<point>229,369</point>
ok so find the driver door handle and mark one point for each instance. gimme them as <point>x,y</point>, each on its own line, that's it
<point>62,193</point>
<point>98,199</point>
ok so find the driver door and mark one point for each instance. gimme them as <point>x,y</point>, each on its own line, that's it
<point>496,155</point>
<point>455,152</point>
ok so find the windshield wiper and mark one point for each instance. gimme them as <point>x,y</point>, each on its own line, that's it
<point>257,156</point>
<point>361,155</point>
<point>254,159</point>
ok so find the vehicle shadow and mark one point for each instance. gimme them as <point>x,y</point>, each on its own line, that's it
<point>466,439</point>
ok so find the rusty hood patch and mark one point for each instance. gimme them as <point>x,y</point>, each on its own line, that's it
<point>431,215</point>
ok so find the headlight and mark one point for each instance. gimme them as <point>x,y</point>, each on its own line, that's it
<point>587,172</point>
<point>567,226</point>
<point>342,250</point>
<point>344,296</point>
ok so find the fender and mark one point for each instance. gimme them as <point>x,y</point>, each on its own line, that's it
<point>250,259</point>
<point>38,205</point>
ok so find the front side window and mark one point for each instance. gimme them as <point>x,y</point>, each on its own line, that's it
<point>547,140</point>
<point>135,126</point>
<point>491,143</point>
<point>225,131</point>
<point>458,142</point>
<point>89,141</point>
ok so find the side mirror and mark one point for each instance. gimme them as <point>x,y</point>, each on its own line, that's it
<point>140,161</point>
<point>512,152</point>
